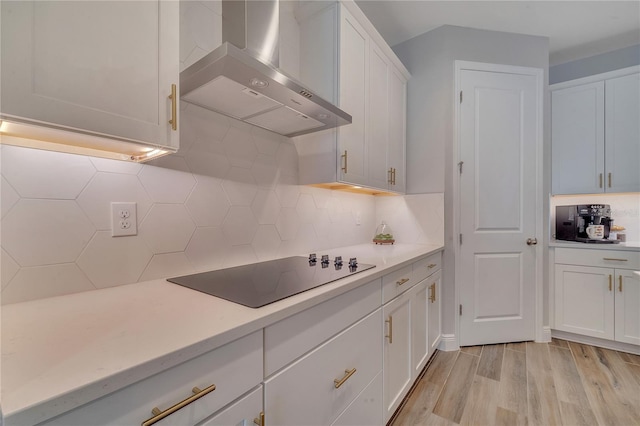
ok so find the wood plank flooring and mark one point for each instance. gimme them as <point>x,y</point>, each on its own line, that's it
<point>526,384</point>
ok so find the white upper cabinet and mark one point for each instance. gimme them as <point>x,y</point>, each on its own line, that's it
<point>96,67</point>
<point>622,133</point>
<point>370,85</point>
<point>595,134</point>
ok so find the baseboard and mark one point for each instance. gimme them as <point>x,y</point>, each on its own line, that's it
<point>448,343</point>
<point>594,341</point>
<point>546,335</point>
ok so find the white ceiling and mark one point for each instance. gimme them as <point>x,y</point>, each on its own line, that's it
<point>576,29</point>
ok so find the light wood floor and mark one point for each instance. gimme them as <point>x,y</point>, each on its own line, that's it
<point>560,383</point>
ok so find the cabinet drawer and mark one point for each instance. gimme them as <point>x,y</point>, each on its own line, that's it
<point>294,336</point>
<point>234,368</point>
<point>305,393</point>
<point>241,412</point>
<point>366,409</point>
<point>427,266</point>
<point>604,258</point>
<point>397,282</point>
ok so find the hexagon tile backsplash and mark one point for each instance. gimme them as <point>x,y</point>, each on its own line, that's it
<point>228,197</point>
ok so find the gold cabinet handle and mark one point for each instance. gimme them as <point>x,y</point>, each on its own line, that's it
<point>610,282</point>
<point>159,415</point>
<point>394,176</point>
<point>390,176</point>
<point>616,259</point>
<point>344,168</point>
<point>432,291</point>
<point>174,108</point>
<point>609,180</point>
<point>402,281</point>
<point>431,265</point>
<point>339,382</point>
<point>620,283</point>
<point>390,322</point>
<point>600,180</point>
<point>259,420</point>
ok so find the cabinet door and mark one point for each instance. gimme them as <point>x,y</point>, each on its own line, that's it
<point>397,352</point>
<point>627,305</point>
<point>577,134</point>
<point>242,412</point>
<point>354,65</point>
<point>99,66</point>
<point>419,319</point>
<point>622,109</point>
<point>435,317</point>
<point>584,300</point>
<point>366,409</point>
<point>397,129</point>
<point>378,124</point>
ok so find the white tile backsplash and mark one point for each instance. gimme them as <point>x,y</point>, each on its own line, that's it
<point>188,220</point>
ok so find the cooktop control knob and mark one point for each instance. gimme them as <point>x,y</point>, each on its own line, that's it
<point>353,262</point>
<point>325,259</point>
<point>338,261</point>
<point>312,258</point>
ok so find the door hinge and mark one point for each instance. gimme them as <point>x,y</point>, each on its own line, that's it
<point>460,309</point>
<point>460,163</point>
<point>460,239</point>
<point>461,96</point>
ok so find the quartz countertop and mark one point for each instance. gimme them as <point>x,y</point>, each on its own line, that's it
<point>62,352</point>
<point>625,246</point>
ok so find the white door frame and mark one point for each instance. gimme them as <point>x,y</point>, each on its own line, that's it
<point>540,334</point>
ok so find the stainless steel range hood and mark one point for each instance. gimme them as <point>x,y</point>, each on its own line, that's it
<point>241,77</point>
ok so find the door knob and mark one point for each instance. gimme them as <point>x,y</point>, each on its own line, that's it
<point>532,241</point>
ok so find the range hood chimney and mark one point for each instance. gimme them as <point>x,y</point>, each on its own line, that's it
<point>241,78</point>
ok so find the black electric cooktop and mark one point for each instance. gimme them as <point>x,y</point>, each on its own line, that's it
<point>259,284</point>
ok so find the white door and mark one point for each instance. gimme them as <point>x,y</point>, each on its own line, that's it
<point>496,270</point>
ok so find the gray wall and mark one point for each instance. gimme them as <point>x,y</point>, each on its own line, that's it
<point>605,62</point>
<point>430,164</point>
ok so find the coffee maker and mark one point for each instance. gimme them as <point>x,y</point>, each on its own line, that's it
<point>572,222</point>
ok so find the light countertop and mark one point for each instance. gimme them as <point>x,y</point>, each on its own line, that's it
<point>626,246</point>
<point>62,352</point>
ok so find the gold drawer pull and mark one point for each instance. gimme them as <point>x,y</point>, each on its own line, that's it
<point>259,420</point>
<point>402,281</point>
<point>431,265</point>
<point>600,180</point>
<point>339,382</point>
<point>390,322</point>
<point>609,179</point>
<point>159,415</point>
<point>610,282</point>
<point>620,280</point>
<point>432,290</point>
<point>613,258</point>
<point>174,108</point>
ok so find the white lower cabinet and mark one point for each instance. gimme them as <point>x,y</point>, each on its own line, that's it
<point>434,287</point>
<point>397,352</point>
<point>318,387</point>
<point>598,301</point>
<point>133,405</point>
<point>246,411</point>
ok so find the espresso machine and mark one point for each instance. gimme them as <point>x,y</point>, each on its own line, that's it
<point>572,222</point>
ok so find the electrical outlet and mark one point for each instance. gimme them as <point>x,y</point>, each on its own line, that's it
<point>124,220</point>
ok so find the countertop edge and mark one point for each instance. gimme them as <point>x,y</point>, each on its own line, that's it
<point>40,411</point>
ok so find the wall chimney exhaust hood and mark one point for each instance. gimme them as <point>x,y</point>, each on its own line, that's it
<point>241,77</point>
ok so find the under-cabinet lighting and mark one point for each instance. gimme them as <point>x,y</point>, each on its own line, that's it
<point>75,142</point>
